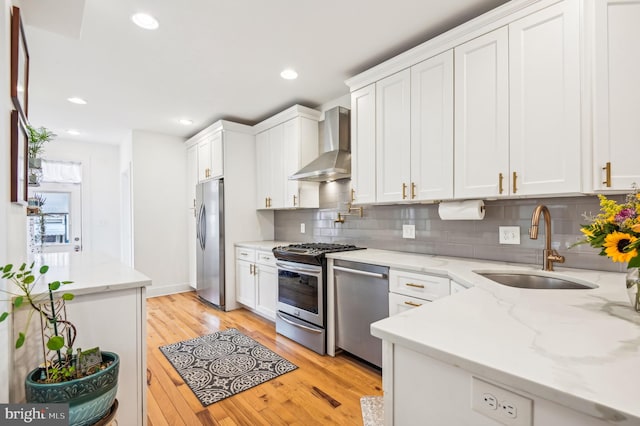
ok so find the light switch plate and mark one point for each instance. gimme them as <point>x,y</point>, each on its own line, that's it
<point>302,228</point>
<point>409,231</point>
<point>509,234</point>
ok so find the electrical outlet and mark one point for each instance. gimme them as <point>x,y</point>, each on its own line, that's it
<point>509,234</point>
<point>302,228</point>
<point>500,404</point>
<point>408,231</point>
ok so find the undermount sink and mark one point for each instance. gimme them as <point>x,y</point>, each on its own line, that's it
<point>534,280</point>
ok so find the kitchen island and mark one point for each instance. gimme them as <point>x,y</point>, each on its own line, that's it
<point>109,311</point>
<point>574,353</point>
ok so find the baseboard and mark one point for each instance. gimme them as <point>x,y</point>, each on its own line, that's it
<point>153,291</point>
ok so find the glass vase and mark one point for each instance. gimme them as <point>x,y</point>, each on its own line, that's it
<point>633,283</point>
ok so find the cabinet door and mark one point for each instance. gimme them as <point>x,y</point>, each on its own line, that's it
<point>617,93</point>
<point>267,291</point>
<point>363,144</point>
<point>544,73</point>
<point>300,147</point>
<point>192,180</point>
<point>245,283</point>
<point>482,116</point>
<point>393,137</point>
<point>432,128</point>
<point>217,156</point>
<point>204,160</point>
<point>277,179</point>
<point>263,170</point>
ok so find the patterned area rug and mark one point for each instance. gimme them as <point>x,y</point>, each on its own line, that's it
<point>223,364</point>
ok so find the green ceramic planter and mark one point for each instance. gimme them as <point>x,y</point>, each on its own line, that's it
<point>89,398</point>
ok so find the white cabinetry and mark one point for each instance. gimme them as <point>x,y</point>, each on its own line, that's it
<point>285,143</point>
<point>409,290</point>
<point>363,145</point>
<point>617,94</point>
<point>393,137</point>
<point>230,154</point>
<point>257,281</point>
<point>481,116</point>
<point>544,89</point>
<point>432,128</point>
<point>210,157</point>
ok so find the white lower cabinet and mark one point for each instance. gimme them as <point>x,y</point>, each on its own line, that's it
<point>408,290</point>
<point>456,287</point>
<point>257,281</point>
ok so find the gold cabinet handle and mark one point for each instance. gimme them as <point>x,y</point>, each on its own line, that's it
<point>251,269</point>
<point>269,202</point>
<point>404,190</point>
<point>500,180</point>
<point>413,190</point>
<point>414,285</point>
<point>243,253</point>
<point>607,172</point>
<point>353,195</point>
<point>515,188</point>
<point>413,304</point>
<point>294,200</point>
<point>266,202</point>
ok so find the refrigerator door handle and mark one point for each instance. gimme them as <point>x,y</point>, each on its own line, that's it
<point>204,227</point>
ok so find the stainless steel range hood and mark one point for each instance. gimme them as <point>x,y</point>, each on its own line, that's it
<point>335,161</point>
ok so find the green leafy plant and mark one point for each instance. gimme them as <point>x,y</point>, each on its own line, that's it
<point>43,304</point>
<point>37,138</point>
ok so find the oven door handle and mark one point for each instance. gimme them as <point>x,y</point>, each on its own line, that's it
<point>295,324</point>
<point>359,272</point>
<point>295,268</point>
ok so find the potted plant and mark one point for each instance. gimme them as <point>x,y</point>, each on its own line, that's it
<point>37,139</point>
<point>86,380</point>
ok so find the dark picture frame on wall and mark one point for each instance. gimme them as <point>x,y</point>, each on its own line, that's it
<point>19,65</point>
<point>19,160</point>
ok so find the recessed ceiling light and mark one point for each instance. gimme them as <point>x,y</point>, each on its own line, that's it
<point>78,101</point>
<point>73,132</point>
<point>289,74</point>
<point>145,21</point>
<point>186,121</point>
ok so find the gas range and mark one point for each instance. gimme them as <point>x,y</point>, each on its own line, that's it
<point>310,253</point>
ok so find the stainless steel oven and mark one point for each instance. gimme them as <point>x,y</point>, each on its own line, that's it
<point>302,274</point>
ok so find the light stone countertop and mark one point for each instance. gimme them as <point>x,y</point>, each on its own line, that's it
<point>577,348</point>
<point>90,273</point>
<point>262,245</point>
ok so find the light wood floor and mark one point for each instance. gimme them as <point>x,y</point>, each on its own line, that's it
<point>322,391</point>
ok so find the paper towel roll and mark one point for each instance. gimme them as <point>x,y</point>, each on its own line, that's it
<point>462,210</point>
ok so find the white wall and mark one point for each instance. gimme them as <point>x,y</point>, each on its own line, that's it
<point>13,239</point>
<point>159,177</point>
<point>100,191</point>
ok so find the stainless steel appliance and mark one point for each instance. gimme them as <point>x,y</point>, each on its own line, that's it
<point>302,274</point>
<point>210,242</point>
<point>362,297</point>
<point>335,161</point>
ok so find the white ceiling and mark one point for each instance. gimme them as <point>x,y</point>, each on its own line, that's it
<point>210,59</point>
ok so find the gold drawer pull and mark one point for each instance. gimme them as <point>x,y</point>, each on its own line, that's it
<point>607,171</point>
<point>515,187</point>
<point>404,190</point>
<point>413,190</point>
<point>413,304</point>
<point>500,179</point>
<point>414,285</point>
<point>353,195</point>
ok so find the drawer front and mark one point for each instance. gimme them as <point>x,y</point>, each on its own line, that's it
<point>418,285</point>
<point>265,258</point>
<point>400,303</point>
<point>243,253</point>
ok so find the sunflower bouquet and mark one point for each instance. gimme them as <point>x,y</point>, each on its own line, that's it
<point>616,229</point>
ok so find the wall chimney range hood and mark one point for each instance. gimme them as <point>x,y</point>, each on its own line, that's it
<point>335,161</point>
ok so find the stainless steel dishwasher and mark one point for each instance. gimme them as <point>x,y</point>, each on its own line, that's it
<point>362,297</point>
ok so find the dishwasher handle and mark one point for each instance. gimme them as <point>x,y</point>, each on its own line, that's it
<point>359,272</point>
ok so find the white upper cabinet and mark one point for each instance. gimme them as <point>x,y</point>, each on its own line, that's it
<point>482,116</point>
<point>544,77</point>
<point>285,143</point>
<point>363,145</point>
<point>210,157</point>
<point>393,137</point>
<point>617,94</point>
<point>432,128</point>
<point>217,156</point>
<point>204,160</point>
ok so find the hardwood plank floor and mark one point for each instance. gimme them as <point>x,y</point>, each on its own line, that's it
<point>322,391</point>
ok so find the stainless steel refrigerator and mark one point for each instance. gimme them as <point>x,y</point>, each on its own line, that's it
<point>210,242</point>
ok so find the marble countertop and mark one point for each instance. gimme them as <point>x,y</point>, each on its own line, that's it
<point>262,245</point>
<point>90,273</point>
<point>578,348</point>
